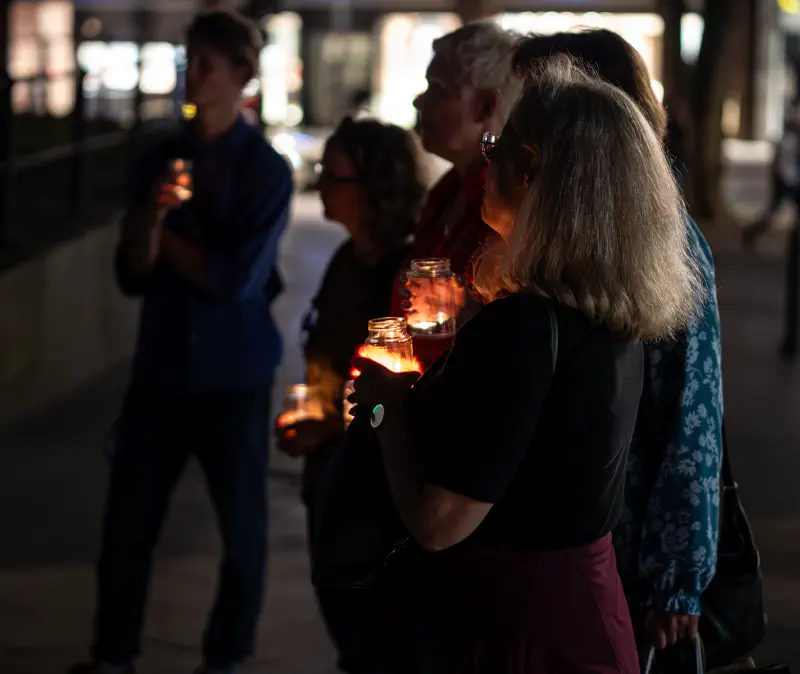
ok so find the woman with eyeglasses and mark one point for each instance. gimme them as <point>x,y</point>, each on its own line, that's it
<point>506,460</point>
<point>372,183</point>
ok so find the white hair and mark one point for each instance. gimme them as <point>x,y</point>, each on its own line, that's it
<point>482,52</point>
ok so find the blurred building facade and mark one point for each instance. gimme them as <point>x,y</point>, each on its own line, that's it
<point>125,57</point>
<point>336,47</point>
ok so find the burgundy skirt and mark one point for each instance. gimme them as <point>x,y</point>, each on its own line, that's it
<point>504,611</point>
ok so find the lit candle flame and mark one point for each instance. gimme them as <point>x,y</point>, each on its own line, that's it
<point>390,361</point>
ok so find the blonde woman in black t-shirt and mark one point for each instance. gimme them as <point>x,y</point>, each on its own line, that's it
<point>506,460</point>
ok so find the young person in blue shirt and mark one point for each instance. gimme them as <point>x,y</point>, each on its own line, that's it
<point>206,352</point>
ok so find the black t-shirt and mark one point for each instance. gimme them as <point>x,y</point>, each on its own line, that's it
<point>350,295</point>
<point>496,424</point>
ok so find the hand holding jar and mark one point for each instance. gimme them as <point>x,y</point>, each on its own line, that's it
<point>178,187</point>
<point>173,189</point>
<point>389,366</point>
<point>303,425</point>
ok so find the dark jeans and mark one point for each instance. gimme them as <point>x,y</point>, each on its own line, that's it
<point>227,433</point>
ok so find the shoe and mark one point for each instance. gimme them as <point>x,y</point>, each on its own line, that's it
<point>99,668</point>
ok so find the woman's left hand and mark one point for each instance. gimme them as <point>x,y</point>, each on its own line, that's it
<point>667,629</point>
<point>377,385</point>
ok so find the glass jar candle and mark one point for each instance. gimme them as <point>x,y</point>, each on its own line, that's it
<point>181,170</point>
<point>301,402</point>
<point>390,345</point>
<point>432,310</point>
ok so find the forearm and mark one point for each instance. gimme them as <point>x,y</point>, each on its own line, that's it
<point>186,258</point>
<point>141,242</point>
<point>402,469</point>
<point>679,545</point>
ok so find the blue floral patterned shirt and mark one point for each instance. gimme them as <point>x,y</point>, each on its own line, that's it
<point>666,542</point>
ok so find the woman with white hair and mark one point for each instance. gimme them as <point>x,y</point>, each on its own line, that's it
<point>471,89</point>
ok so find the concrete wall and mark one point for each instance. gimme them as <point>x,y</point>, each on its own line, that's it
<point>62,321</point>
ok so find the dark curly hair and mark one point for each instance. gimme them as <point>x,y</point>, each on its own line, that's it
<point>387,162</point>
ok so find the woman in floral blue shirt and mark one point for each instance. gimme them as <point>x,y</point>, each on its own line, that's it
<point>666,543</point>
<point>667,540</point>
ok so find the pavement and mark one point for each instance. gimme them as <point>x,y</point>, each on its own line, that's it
<point>53,475</point>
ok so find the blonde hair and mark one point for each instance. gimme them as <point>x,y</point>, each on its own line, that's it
<point>601,224</point>
<point>482,52</point>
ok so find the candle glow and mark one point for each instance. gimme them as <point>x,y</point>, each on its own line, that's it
<point>302,403</point>
<point>181,172</point>
<point>391,361</point>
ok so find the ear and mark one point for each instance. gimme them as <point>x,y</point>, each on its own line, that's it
<point>487,103</point>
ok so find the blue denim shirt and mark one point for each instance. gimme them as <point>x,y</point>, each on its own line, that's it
<point>666,542</point>
<point>190,340</point>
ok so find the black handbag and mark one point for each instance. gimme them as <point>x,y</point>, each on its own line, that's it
<point>733,622</point>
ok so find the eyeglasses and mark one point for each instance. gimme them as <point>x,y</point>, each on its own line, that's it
<point>324,175</point>
<point>488,144</point>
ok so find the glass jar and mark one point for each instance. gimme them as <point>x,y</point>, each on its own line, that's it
<point>181,171</point>
<point>432,286</point>
<point>301,402</point>
<point>432,307</point>
<point>390,345</point>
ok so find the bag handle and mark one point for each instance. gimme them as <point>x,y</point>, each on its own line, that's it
<point>698,657</point>
<point>551,313</point>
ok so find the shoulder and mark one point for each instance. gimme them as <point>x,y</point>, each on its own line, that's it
<point>513,322</point>
<point>343,256</point>
<point>391,262</point>
<point>699,246</point>
<point>262,157</point>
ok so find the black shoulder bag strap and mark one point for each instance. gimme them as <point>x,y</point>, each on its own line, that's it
<point>551,312</point>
